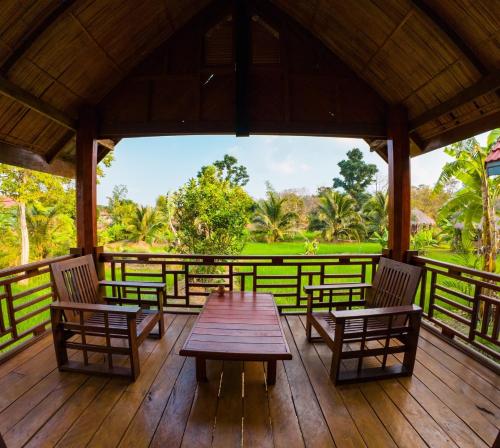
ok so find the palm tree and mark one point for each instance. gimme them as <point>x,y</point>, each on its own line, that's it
<point>474,203</point>
<point>375,212</point>
<point>144,224</point>
<point>339,218</point>
<point>272,219</point>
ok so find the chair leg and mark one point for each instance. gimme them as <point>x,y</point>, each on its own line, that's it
<point>337,351</point>
<point>135,368</point>
<point>411,343</point>
<point>308,328</point>
<point>59,337</point>
<point>161,323</point>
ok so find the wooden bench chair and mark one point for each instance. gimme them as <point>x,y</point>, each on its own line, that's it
<point>84,319</point>
<point>382,321</point>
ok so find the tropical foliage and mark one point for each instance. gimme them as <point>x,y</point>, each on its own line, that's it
<point>272,218</point>
<point>339,218</point>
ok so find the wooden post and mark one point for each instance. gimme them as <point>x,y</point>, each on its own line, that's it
<point>398,152</point>
<point>242,65</point>
<point>86,179</point>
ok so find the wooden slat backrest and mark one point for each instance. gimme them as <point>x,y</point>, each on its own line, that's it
<point>394,284</point>
<point>76,280</point>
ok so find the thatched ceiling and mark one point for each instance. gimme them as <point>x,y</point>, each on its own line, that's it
<point>440,58</point>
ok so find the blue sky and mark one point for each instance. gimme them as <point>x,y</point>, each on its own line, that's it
<point>155,165</point>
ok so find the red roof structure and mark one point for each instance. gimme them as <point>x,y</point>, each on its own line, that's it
<point>494,154</point>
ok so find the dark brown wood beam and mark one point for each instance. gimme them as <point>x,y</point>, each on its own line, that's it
<point>447,29</point>
<point>54,152</point>
<point>242,59</point>
<point>29,100</point>
<point>398,155</point>
<point>486,85</point>
<point>61,6</point>
<point>462,132</point>
<point>27,158</point>
<point>86,181</point>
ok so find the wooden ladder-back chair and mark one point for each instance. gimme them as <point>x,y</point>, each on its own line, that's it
<point>384,322</point>
<point>83,319</point>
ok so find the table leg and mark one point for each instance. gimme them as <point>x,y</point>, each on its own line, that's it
<point>271,372</point>
<point>201,369</point>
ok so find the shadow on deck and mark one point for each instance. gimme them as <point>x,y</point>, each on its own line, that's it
<point>451,401</point>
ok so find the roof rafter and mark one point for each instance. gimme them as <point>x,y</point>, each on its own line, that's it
<point>24,157</point>
<point>31,101</point>
<point>445,27</point>
<point>486,85</point>
<point>30,37</point>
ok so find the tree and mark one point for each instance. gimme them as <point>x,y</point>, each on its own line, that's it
<point>212,214</point>
<point>166,208</point>
<point>474,203</point>
<point>339,218</point>
<point>272,218</point>
<point>429,200</point>
<point>30,187</point>
<point>144,225</point>
<point>228,170</point>
<point>375,211</point>
<point>121,212</point>
<point>356,176</point>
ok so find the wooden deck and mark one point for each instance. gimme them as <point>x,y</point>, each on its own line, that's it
<point>451,401</point>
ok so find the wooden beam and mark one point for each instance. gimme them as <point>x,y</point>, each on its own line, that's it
<point>107,143</point>
<point>29,38</point>
<point>29,100</point>
<point>27,158</point>
<point>462,132</point>
<point>242,66</point>
<point>86,181</point>
<point>53,152</point>
<point>398,154</point>
<point>486,85</point>
<point>450,32</point>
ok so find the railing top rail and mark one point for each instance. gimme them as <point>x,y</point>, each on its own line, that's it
<point>458,268</point>
<point>107,255</point>
<point>32,266</point>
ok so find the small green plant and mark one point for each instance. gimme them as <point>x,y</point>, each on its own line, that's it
<point>423,240</point>
<point>311,247</point>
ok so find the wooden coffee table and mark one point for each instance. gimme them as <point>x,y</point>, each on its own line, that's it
<point>239,326</point>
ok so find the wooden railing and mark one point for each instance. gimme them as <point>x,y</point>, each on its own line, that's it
<point>463,302</point>
<point>25,295</point>
<point>190,278</point>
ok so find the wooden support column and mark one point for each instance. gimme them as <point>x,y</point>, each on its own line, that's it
<point>86,180</point>
<point>398,151</point>
<point>242,66</point>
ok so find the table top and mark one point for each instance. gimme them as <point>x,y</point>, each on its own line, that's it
<point>240,326</point>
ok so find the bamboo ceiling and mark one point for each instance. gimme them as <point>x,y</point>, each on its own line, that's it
<point>439,58</point>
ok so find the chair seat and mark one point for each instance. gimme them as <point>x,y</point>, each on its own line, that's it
<point>146,319</point>
<point>376,327</point>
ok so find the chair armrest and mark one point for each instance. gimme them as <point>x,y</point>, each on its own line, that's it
<point>376,312</point>
<point>336,286</point>
<point>128,284</point>
<point>95,307</point>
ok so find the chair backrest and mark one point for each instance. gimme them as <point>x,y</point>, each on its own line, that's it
<point>76,280</point>
<point>394,284</point>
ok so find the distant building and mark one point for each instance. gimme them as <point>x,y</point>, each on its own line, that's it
<point>7,202</point>
<point>419,220</point>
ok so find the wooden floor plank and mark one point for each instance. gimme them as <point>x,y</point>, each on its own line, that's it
<point>170,430</point>
<point>284,420</point>
<point>461,434</point>
<point>423,423</point>
<point>201,421</point>
<point>143,426</point>
<point>470,376</point>
<point>24,356</point>
<point>341,424</point>
<point>463,358</point>
<point>257,430</point>
<point>400,429</point>
<point>228,422</point>
<point>88,422</point>
<point>447,403</point>
<point>59,423</point>
<point>116,422</point>
<point>311,420</point>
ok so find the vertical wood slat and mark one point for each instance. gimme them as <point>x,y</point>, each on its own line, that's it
<point>10,310</point>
